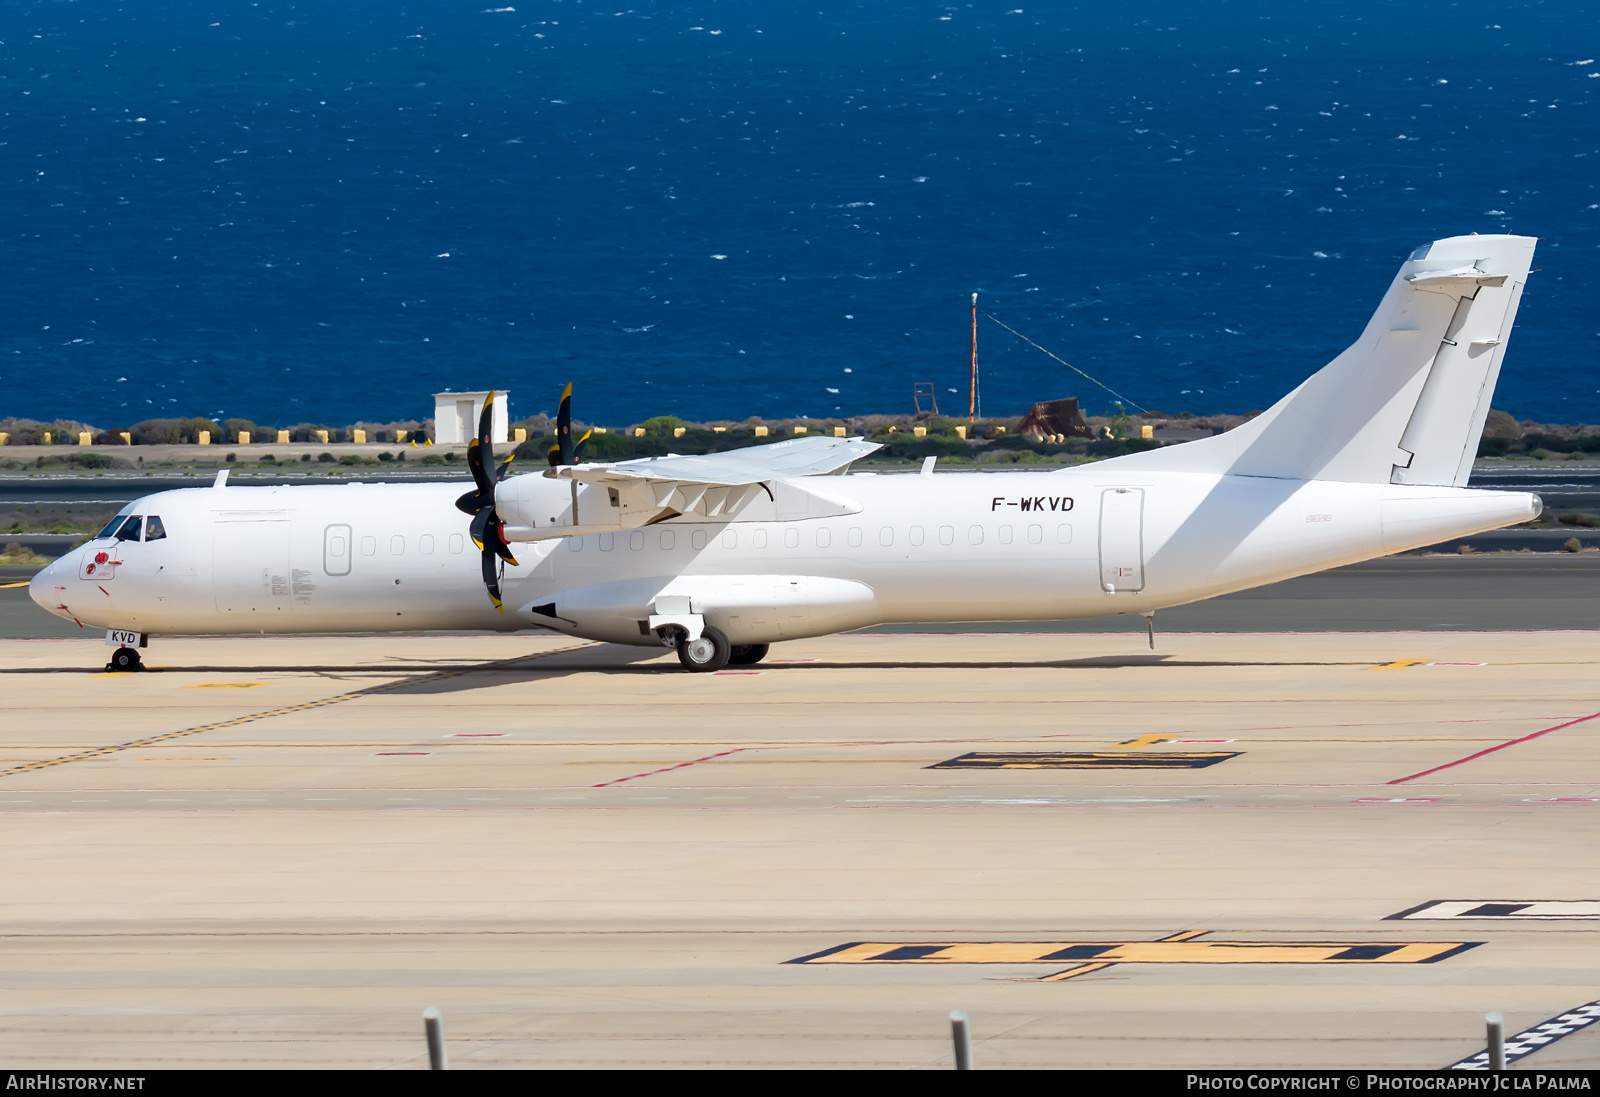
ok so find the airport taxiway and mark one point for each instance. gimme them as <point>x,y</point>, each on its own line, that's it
<point>276,852</point>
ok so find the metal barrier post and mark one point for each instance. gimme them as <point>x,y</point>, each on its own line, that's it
<point>433,1026</point>
<point>961,1036</point>
<point>1497,1041</point>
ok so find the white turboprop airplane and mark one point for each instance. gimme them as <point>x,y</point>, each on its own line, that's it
<point>722,555</point>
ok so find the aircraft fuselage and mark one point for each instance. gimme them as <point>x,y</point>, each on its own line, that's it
<point>1073,543</point>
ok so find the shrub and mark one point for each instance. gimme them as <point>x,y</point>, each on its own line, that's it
<point>324,458</point>
<point>1572,544</point>
<point>269,459</point>
<point>1540,454</point>
<point>16,554</point>
<point>432,459</point>
<point>188,430</point>
<point>154,432</point>
<point>1589,521</point>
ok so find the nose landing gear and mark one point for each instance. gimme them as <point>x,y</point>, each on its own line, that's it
<point>125,659</point>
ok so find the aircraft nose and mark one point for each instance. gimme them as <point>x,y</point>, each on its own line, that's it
<point>42,587</point>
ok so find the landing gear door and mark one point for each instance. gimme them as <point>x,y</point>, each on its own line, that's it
<point>1122,540</point>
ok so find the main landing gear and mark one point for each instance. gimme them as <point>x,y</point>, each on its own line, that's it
<point>746,655</point>
<point>710,652</point>
<point>125,659</point>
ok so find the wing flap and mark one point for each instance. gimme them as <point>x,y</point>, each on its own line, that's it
<point>791,458</point>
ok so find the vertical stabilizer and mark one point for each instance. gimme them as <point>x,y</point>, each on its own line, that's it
<point>1404,404</point>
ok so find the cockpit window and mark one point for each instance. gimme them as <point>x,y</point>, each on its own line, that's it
<point>130,528</point>
<point>112,526</point>
<point>153,529</point>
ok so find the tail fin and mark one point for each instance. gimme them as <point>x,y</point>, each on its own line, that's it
<point>1406,403</point>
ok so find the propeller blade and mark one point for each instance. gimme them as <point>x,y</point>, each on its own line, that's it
<point>577,450</point>
<point>495,541</point>
<point>480,527</point>
<point>480,452</point>
<point>491,578</point>
<point>505,467</point>
<point>564,426</point>
<point>471,502</point>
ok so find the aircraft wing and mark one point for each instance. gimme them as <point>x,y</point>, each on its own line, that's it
<point>781,460</point>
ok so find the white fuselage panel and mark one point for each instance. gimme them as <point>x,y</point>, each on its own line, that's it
<point>1072,543</point>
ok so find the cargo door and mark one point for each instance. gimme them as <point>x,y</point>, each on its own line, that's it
<point>1122,540</point>
<point>251,566</point>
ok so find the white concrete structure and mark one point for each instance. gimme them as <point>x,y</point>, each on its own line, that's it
<point>455,416</point>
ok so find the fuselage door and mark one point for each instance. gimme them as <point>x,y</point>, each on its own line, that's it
<point>251,565</point>
<point>1122,540</point>
<point>337,549</point>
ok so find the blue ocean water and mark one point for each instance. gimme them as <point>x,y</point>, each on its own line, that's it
<point>327,211</point>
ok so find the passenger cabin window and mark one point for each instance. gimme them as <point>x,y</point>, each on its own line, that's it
<point>154,530</point>
<point>130,528</point>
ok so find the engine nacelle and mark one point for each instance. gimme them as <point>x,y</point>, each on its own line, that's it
<point>749,609</point>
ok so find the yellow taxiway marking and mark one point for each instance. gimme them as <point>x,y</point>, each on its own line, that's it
<point>1144,741</point>
<point>225,685</point>
<point>14,586</point>
<point>306,706</point>
<point>1402,664</point>
<point>218,758</point>
<point>1180,948</point>
<point>1120,759</point>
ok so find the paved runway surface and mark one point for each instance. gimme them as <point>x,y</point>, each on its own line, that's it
<point>278,851</point>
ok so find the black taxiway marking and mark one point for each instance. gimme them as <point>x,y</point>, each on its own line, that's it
<point>1519,909</point>
<point>1088,760</point>
<point>1530,1040</point>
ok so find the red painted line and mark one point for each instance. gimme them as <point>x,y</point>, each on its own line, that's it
<point>404,753</point>
<point>1491,750</point>
<point>669,769</point>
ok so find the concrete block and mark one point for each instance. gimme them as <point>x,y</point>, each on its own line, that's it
<point>204,439</point>
<point>283,438</point>
<point>85,438</point>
